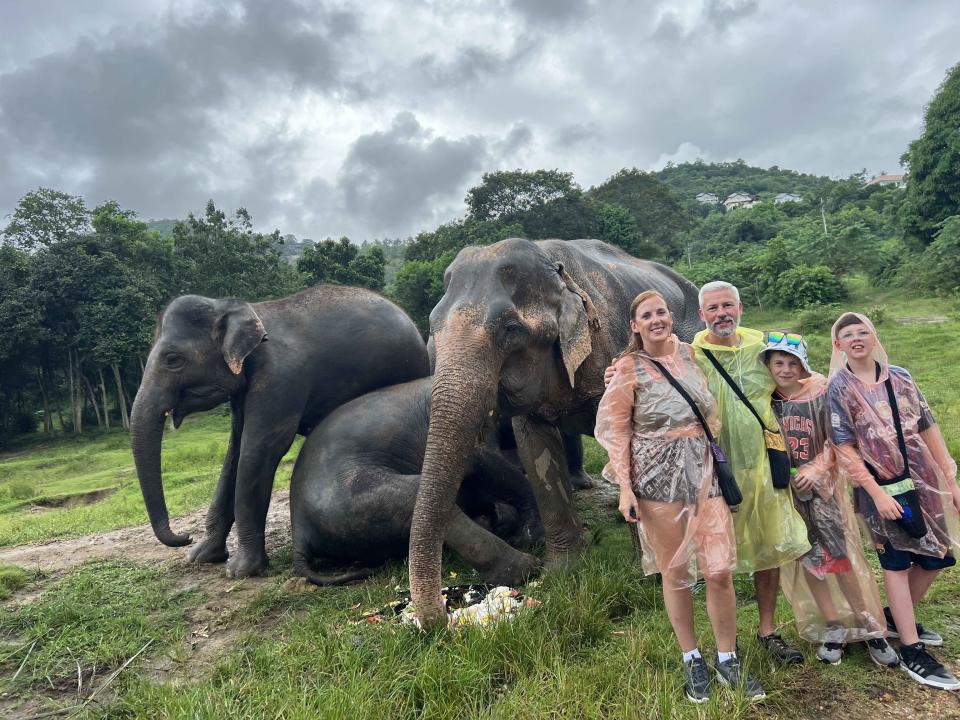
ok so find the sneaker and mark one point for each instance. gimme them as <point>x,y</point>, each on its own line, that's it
<point>730,673</point>
<point>696,680</point>
<point>780,650</point>
<point>831,650</point>
<point>881,652</point>
<point>923,667</point>
<point>927,637</point>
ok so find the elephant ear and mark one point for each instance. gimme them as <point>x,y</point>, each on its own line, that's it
<point>578,316</point>
<point>240,332</point>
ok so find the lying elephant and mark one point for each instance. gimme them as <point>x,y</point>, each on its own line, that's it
<point>326,345</point>
<point>525,328</point>
<point>355,483</point>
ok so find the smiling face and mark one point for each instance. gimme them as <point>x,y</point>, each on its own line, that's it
<point>786,370</point>
<point>721,311</point>
<point>652,321</point>
<point>856,342</point>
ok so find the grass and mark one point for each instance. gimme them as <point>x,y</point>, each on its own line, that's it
<point>600,646</point>
<point>43,490</point>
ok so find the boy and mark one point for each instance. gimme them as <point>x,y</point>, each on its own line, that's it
<point>837,598</point>
<point>889,445</point>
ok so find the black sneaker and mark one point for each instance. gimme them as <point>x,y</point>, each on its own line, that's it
<point>731,674</point>
<point>927,637</point>
<point>696,680</point>
<point>923,667</point>
<point>780,650</point>
<point>881,652</point>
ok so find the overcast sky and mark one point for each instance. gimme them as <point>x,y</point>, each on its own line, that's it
<point>371,119</point>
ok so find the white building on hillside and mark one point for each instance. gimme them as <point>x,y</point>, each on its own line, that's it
<point>786,197</point>
<point>899,181</point>
<point>740,200</point>
<point>708,198</point>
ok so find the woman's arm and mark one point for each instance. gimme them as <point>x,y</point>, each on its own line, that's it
<point>614,432</point>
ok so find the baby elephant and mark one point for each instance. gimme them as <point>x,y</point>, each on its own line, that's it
<point>355,484</point>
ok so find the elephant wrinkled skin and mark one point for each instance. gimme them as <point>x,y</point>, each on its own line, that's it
<point>355,484</point>
<point>525,329</point>
<point>284,365</point>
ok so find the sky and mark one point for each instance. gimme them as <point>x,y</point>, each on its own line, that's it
<point>372,119</point>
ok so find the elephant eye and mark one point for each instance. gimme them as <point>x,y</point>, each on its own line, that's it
<point>512,332</point>
<point>174,361</point>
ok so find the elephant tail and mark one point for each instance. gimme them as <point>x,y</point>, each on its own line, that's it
<point>302,568</point>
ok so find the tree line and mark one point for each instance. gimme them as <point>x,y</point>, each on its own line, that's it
<point>81,289</point>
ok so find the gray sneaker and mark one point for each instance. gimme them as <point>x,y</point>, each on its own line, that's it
<point>831,650</point>
<point>696,680</point>
<point>731,674</point>
<point>881,653</point>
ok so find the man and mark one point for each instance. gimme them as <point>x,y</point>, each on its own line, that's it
<point>768,530</point>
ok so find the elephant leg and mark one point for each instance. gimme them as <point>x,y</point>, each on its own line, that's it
<point>505,482</point>
<point>213,547</point>
<point>261,450</point>
<point>573,447</point>
<point>541,451</point>
<point>496,561</point>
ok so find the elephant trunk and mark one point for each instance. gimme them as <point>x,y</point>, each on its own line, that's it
<point>464,390</point>
<point>146,436</point>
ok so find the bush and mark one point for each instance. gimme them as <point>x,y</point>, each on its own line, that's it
<point>878,314</point>
<point>817,318</point>
<point>802,286</point>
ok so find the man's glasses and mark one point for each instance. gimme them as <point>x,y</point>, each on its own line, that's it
<point>776,337</point>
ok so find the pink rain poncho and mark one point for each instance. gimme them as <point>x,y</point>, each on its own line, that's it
<point>658,448</point>
<point>831,588</point>
<point>862,430</point>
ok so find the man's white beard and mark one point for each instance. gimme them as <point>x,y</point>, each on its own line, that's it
<point>726,332</point>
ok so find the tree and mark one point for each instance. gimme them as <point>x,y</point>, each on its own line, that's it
<point>45,216</point>
<point>933,160</point>
<point>803,286</point>
<point>939,265</point>
<point>505,194</point>
<point>340,262</point>
<point>419,287</point>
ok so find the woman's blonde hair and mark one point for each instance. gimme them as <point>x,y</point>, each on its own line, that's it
<point>636,342</point>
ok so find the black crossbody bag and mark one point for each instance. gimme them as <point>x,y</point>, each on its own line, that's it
<point>776,449</point>
<point>911,521</point>
<point>725,478</point>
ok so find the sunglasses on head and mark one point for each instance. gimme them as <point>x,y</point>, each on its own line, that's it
<point>777,337</point>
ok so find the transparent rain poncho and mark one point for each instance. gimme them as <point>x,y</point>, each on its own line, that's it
<point>862,430</point>
<point>831,589</point>
<point>768,529</point>
<point>657,446</point>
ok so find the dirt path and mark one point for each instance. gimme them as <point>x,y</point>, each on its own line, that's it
<point>138,542</point>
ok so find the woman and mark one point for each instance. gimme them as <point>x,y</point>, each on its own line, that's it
<point>660,458</point>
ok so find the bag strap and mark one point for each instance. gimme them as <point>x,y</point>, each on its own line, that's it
<point>891,396</point>
<point>683,393</point>
<point>736,388</point>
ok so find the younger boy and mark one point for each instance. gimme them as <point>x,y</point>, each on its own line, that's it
<point>831,588</point>
<point>905,482</point>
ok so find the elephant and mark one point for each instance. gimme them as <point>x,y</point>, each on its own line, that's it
<point>327,345</point>
<point>355,483</point>
<point>526,328</point>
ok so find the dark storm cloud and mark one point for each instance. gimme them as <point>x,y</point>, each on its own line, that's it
<point>142,109</point>
<point>577,134</point>
<point>551,11</point>
<point>390,177</point>
<point>715,18</point>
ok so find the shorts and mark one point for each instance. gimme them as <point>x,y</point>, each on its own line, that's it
<point>897,560</point>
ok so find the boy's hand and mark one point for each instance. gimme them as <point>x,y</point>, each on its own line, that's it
<point>804,480</point>
<point>608,375</point>
<point>628,505</point>
<point>887,507</point>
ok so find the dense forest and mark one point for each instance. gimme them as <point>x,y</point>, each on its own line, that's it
<point>81,288</point>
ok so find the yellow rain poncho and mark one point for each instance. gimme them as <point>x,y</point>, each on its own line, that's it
<point>769,531</point>
<point>831,589</point>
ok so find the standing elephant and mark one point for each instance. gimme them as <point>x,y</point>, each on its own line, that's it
<point>355,484</point>
<point>326,345</point>
<point>525,328</point>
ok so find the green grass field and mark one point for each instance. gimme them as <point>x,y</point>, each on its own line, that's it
<point>599,647</point>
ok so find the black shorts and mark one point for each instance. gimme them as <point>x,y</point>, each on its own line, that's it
<point>897,560</point>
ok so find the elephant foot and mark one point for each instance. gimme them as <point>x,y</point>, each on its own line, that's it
<point>512,570</point>
<point>246,563</point>
<point>209,550</point>
<point>580,480</point>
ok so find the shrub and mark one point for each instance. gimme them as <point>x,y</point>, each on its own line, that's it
<point>817,318</point>
<point>802,286</point>
<point>878,314</point>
